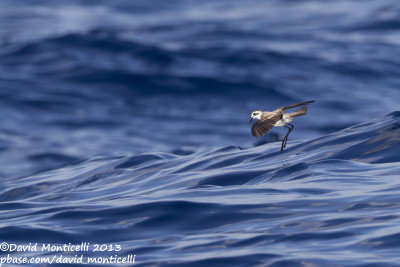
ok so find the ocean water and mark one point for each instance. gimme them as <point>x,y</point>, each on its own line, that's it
<point>125,123</point>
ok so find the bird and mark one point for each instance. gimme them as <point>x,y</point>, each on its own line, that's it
<point>269,119</point>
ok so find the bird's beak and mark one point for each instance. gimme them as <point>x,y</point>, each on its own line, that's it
<point>251,119</point>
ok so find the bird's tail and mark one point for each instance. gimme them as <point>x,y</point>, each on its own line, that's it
<point>298,104</point>
<point>299,112</point>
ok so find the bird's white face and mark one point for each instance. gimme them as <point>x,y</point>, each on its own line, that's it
<point>256,114</point>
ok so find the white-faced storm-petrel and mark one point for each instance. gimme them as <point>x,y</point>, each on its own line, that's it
<point>269,119</point>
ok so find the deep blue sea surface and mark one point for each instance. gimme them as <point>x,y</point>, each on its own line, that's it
<point>126,123</point>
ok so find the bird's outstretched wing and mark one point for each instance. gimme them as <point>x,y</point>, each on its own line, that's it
<point>298,104</point>
<point>262,126</point>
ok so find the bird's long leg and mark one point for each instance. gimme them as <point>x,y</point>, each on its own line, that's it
<point>282,144</point>
<point>284,141</point>
<point>285,138</point>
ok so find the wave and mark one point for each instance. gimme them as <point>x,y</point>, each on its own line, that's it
<point>103,58</point>
<point>337,193</point>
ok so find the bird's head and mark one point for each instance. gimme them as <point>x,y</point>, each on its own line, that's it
<point>256,114</point>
